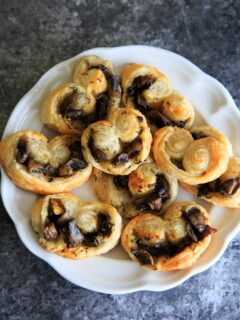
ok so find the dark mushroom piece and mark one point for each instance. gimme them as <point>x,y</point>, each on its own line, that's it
<point>22,151</point>
<point>71,166</point>
<point>158,118</point>
<point>139,84</point>
<point>120,158</point>
<point>133,148</point>
<point>48,170</point>
<point>104,224</point>
<point>102,107</point>
<point>229,187</point>
<point>97,153</point>
<point>50,231</point>
<point>74,236</point>
<point>143,256</point>
<point>196,218</point>
<point>198,135</point>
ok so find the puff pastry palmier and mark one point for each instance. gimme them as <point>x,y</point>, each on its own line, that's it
<point>148,90</point>
<point>98,76</point>
<point>72,107</point>
<point>73,229</point>
<point>117,146</point>
<point>147,189</point>
<point>172,242</point>
<point>224,191</point>
<point>37,165</point>
<point>194,157</point>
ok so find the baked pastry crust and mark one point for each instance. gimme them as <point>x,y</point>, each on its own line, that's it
<point>61,121</point>
<point>94,93</point>
<point>87,239</point>
<point>194,157</point>
<point>146,189</point>
<point>41,153</point>
<point>117,146</point>
<point>151,230</point>
<point>225,191</point>
<point>147,89</point>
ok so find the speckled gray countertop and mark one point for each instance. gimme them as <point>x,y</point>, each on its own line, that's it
<point>34,36</point>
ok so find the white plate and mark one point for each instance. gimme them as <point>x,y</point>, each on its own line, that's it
<point>114,272</point>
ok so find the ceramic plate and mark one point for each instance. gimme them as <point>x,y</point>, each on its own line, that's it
<point>115,272</point>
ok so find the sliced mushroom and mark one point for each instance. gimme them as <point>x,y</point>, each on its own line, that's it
<point>196,218</point>
<point>229,187</point>
<point>139,84</point>
<point>97,153</point>
<point>203,190</point>
<point>143,256</point>
<point>154,202</point>
<point>73,235</point>
<point>22,151</point>
<point>207,231</point>
<point>191,233</point>
<point>34,167</point>
<point>71,166</point>
<point>114,83</point>
<point>48,170</point>
<point>120,158</point>
<point>162,186</point>
<point>198,135</point>
<point>50,231</point>
<point>104,224</point>
<point>93,240</point>
<point>158,118</point>
<point>66,104</point>
<point>102,107</point>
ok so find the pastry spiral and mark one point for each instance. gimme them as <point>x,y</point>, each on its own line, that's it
<point>224,191</point>
<point>148,90</point>
<point>172,242</point>
<point>147,189</point>
<point>117,146</point>
<point>194,157</point>
<point>74,229</point>
<point>39,166</point>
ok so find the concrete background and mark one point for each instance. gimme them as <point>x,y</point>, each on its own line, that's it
<point>34,36</point>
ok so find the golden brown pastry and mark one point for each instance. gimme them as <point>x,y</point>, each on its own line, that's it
<point>147,189</point>
<point>93,95</point>
<point>172,242</point>
<point>98,75</point>
<point>224,191</point>
<point>117,146</point>
<point>148,90</point>
<point>37,165</point>
<point>194,157</point>
<point>74,229</point>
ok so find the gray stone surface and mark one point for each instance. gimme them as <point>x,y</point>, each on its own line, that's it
<point>35,35</point>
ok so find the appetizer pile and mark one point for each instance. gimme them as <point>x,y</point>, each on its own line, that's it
<point>133,136</point>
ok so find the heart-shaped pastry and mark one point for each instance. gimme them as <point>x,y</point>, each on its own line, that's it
<point>224,191</point>
<point>146,189</point>
<point>117,146</point>
<point>93,95</point>
<point>73,229</point>
<point>147,89</point>
<point>174,241</point>
<point>37,165</point>
<point>194,157</point>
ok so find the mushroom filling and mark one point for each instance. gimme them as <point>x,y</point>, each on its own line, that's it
<point>112,79</point>
<point>226,188</point>
<point>74,163</point>
<point>196,230</point>
<point>69,230</point>
<point>198,135</point>
<point>130,151</point>
<point>155,200</point>
<point>140,84</point>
